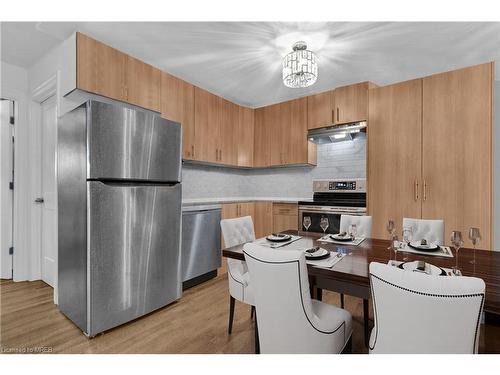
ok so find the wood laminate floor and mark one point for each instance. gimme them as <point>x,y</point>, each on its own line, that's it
<point>197,323</point>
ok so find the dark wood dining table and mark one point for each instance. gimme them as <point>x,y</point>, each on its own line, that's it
<point>351,275</point>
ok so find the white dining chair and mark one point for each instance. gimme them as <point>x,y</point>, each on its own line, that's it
<point>419,313</point>
<point>236,232</point>
<point>288,320</point>
<point>363,224</point>
<point>431,230</point>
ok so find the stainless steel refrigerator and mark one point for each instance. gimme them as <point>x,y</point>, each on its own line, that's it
<point>119,214</point>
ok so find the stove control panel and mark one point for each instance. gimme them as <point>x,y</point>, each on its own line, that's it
<point>326,186</point>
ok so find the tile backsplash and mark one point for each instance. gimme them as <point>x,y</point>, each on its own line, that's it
<point>335,160</point>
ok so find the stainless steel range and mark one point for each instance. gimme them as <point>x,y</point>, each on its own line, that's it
<point>331,199</point>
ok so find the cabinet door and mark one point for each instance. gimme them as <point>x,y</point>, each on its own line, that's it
<point>245,136</point>
<point>320,110</point>
<point>206,123</point>
<point>457,136</point>
<point>285,217</point>
<point>351,103</point>
<point>276,118</point>
<point>246,209</point>
<point>177,104</point>
<point>143,84</point>
<point>228,133</point>
<point>296,148</point>
<point>394,154</point>
<point>229,211</point>
<point>262,140</point>
<point>100,69</point>
<point>263,222</point>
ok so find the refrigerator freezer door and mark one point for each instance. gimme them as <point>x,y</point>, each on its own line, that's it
<point>125,143</point>
<point>134,251</point>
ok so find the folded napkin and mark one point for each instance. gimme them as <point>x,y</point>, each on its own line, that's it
<point>329,262</point>
<point>329,239</point>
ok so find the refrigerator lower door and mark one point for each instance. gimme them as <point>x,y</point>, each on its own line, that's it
<point>134,264</point>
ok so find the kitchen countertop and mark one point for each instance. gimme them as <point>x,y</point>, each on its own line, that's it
<point>200,201</point>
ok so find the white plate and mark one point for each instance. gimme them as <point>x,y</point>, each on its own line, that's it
<point>418,245</point>
<point>345,238</point>
<point>430,269</point>
<point>282,238</point>
<point>318,254</point>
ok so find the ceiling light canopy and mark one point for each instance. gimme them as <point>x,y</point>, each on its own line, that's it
<point>300,67</point>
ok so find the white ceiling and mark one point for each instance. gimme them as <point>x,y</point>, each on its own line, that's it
<point>241,61</point>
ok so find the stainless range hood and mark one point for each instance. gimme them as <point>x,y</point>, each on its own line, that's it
<point>337,133</point>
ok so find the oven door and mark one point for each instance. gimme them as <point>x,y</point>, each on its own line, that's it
<point>316,213</point>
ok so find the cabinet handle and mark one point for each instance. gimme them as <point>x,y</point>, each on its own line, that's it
<point>220,155</point>
<point>425,190</point>
<point>216,154</point>
<point>192,151</point>
<point>416,190</point>
<point>337,113</point>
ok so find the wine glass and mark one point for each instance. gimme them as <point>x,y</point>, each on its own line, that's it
<point>324,224</point>
<point>457,242</point>
<point>475,237</point>
<point>306,222</point>
<point>407,234</point>
<point>353,231</point>
<point>391,228</point>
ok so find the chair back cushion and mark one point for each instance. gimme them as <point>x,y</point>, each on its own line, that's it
<point>237,231</point>
<point>431,230</point>
<point>419,313</point>
<point>286,321</point>
<point>363,224</point>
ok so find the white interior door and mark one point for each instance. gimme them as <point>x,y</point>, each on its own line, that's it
<point>6,193</point>
<point>48,199</point>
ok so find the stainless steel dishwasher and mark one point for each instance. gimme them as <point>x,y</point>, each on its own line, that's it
<point>201,243</point>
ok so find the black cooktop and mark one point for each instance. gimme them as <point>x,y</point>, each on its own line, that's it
<point>337,200</point>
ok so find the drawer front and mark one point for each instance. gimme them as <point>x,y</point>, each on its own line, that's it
<point>289,209</point>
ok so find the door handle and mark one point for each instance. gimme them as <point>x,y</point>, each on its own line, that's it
<point>416,190</point>
<point>425,190</point>
<point>39,200</point>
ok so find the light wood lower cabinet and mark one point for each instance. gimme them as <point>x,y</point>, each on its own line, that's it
<point>394,154</point>
<point>285,217</point>
<point>263,218</point>
<point>457,151</point>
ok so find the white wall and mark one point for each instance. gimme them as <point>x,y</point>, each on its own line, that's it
<point>14,85</point>
<point>496,163</point>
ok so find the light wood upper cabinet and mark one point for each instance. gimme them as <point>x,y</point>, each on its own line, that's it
<point>262,138</point>
<point>143,84</point>
<point>394,154</point>
<point>296,147</point>
<point>245,136</point>
<point>228,133</point>
<point>281,135</point>
<point>320,110</point>
<point>100,69</point>
<point>351,103</point>
<point>206,120</point>
<point>105,71</point>
<point>457,151</point>
<point>177,104</point>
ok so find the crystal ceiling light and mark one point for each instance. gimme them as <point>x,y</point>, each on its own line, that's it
<point>300,67</point>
